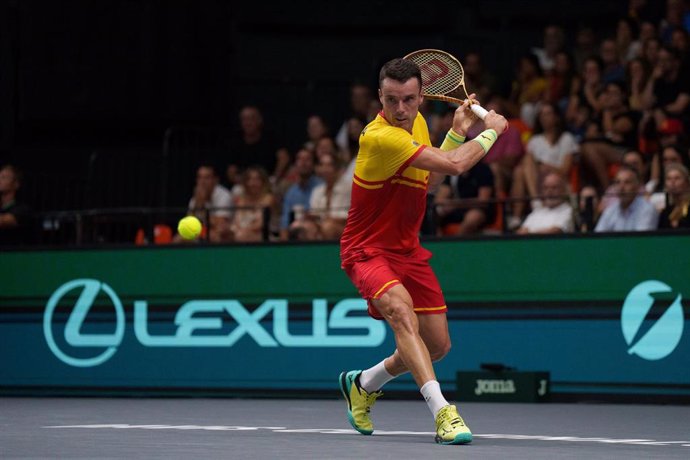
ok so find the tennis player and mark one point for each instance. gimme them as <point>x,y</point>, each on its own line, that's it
<point>380,249</point>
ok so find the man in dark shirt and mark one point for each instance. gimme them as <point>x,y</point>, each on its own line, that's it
<point>668,89</point>
<point>465,201</point>
<point>253,145</point>
<point>14,216</point>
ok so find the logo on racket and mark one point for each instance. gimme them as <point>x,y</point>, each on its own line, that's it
<point>433,70</point>
<point>652,320</point>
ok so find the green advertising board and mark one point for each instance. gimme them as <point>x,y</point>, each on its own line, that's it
<point>599,313</point>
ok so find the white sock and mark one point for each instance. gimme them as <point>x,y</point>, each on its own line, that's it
<point>431,391</point>
<point>375,377</point>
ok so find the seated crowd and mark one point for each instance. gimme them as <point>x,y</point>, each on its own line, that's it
<point>598,142</point>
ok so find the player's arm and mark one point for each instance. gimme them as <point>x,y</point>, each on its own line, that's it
<point>463,120</point>
<point>460,159</point>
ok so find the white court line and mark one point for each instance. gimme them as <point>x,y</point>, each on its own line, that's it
<point>281,429</point>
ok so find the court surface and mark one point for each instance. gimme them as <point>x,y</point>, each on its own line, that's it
<point>192,428</point>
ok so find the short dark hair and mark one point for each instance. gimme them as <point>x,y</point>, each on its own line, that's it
<point>400,70</point>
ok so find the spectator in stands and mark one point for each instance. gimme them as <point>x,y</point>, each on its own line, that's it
<point>328,205</point>
<point>297,198</point>
<point>464,203</point>
<point>675,215</point>
<point>650,51</point>
<point>635,160</point>
<point>588,209</point>
<point>669,155</point>
<point>554,38</point>
<point>212,204</point>
<point>667,93</point>
<point>585,45</point>
<point>673,19</point>
<point>637,74</point>
<point>317,128</point>
<point>355,126</point>
<point>556,214</point>
<point>613,69</point>
<point>609,135</point>
<point>349,157</point>
<point>15,216</point>
<point>440,123</point>
<point>551,149</point>
<point>647,31</point>
<point>253,145</point>
<point>361,98</point>
<point>632,212</point>
<point>628,45</point>
<point>560,80</point>
<point>248,220</point>
<point>679,41</point>
<point>326,145</point>
<point>528,89</point>
<point>585,91</point>
<point>477,77</point>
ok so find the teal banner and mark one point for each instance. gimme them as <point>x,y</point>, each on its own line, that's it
<point>599,313</point>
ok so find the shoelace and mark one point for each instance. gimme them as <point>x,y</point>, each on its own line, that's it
<point>449,417</point>
<point>371,399</point>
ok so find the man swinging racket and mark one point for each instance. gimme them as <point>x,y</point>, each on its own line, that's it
<point>380,248</point>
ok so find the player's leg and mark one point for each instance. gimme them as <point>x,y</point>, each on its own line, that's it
<point>430,306</point>
<point>434,332</point>
<point>372,277</point>
<point>360,388</point>
<point>396,308</point>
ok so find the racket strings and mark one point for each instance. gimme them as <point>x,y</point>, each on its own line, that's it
<point>440,73</point>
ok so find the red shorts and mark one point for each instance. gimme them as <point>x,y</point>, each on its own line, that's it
<point>375,275</point>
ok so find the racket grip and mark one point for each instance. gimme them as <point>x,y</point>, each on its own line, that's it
<point>479,111</point>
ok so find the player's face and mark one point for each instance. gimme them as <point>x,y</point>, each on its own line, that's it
<point>401,101</point>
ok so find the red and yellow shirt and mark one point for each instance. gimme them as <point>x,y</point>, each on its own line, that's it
<point>388,195</point>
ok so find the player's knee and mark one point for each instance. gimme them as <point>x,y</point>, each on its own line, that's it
<point>400,316</point>
<point>440,350</point>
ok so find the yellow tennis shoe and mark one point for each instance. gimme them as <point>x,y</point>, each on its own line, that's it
<point>359,402</point>
<point>451,428</point>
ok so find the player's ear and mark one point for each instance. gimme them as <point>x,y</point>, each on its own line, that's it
<point>380,96</point>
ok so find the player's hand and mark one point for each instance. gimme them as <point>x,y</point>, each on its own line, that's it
<point>496,122</point>
<point>464,118</point>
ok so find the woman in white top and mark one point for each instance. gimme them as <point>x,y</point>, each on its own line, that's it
<point>550,149</point>
<point>248,221</point>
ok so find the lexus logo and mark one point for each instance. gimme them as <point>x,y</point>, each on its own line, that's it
<point>74,336</point>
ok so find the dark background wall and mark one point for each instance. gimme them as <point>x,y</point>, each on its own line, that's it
<point>79,75</point>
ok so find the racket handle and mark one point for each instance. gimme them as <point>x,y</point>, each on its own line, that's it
<point>479,111</point>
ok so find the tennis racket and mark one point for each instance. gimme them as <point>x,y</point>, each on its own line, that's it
<point>442,78</point>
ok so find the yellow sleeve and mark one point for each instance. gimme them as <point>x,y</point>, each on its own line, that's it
<point>388,151</point>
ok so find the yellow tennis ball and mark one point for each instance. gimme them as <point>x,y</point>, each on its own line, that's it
<point>189,227</point>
